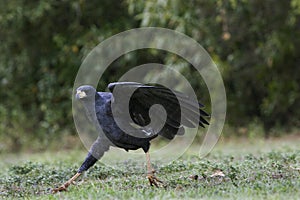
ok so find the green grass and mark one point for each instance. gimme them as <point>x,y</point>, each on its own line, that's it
<point>259,170</point>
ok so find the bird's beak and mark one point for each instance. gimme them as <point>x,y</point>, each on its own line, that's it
<point>80,94</point>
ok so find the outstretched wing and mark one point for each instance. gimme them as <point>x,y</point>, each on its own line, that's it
<point>180,109</point>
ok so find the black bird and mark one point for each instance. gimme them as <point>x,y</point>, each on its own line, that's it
<point>135,130</point>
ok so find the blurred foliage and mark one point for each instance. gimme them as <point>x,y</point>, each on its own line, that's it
<point>254,43</point>
<point>42,45</point>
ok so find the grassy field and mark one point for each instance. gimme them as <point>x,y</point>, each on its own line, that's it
<point>237,169</point>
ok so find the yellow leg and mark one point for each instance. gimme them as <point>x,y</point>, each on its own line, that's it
<point>149,166</point>
<point>64,186</point>
<point>150,172</point>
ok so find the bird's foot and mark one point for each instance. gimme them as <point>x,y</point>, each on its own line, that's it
<point>61,188</point>
<point>153,180</point>
<point>64,186</point>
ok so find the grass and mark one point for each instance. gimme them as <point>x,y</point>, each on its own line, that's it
<point>254,170</point>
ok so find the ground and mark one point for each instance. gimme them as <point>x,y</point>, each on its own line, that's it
<point>236,169</point>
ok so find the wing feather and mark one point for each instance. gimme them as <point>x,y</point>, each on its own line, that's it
<point>145,96</point>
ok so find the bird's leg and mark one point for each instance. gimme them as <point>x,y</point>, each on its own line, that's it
<point>64,186</point>
<point>150,172</point>
<point>97,150</point>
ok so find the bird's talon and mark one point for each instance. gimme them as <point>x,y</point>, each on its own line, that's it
<point>61,188</point>
<point>64,186</point>
<point>153,180</point>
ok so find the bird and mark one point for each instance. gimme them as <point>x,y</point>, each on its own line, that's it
<point>136,129</point>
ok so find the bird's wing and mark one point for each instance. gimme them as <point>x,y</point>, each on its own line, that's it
<point>180,109</point>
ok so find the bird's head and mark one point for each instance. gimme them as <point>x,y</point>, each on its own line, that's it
<point>85,92</point>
